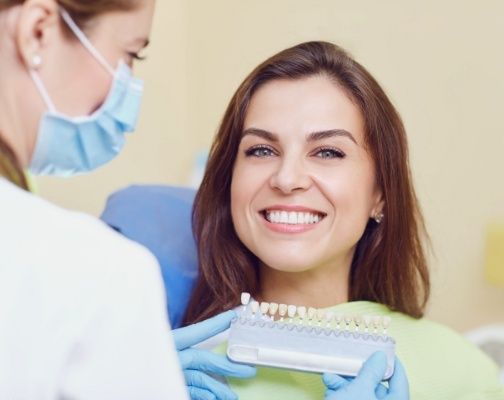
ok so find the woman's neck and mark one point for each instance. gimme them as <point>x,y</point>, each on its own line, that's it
<point>318,287</point>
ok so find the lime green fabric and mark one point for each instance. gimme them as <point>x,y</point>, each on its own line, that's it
<point>440,363</point>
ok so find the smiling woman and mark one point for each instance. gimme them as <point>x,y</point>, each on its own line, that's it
<point>308,200</point>
<point>310,128</point>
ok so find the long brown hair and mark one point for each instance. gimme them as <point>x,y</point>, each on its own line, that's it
<point>82,11</point>
<point>389,265</point>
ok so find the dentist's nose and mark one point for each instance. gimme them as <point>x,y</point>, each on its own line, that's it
<point>290,176</point>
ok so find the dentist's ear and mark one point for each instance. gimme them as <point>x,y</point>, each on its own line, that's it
<point>38,23</point>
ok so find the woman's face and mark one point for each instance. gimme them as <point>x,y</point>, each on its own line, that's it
<point>303,185</point>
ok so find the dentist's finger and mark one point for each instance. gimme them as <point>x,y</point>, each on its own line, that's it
<point>201,380</point>
<point>197,333</point>
<point>207,361</point>
<point>372,371</point>
<point>334,382</point>
<point>196,393</point>
<point>398,384</point>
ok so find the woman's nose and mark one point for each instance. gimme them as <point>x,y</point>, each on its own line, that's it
<point>290,175</point>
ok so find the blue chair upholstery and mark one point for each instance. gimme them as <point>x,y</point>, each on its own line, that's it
<point>159,217</point>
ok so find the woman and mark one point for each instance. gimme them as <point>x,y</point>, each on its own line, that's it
<point>308,200</point>
<point>82,311</point>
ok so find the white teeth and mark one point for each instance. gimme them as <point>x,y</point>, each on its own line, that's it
<point>264,307</point>
<point>292,218</point>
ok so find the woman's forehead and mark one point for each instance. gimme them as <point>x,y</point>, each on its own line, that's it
<point>303,106</point>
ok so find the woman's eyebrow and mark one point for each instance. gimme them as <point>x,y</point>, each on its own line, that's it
<point>312,137</point>
<point>261,133</point>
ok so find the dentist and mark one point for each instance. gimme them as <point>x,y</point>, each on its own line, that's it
<point>82,310</point>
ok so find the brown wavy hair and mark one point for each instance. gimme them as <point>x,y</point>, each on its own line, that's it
<point>82,11</point>
<point>389,265</point>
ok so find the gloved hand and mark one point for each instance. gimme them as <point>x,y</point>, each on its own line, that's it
<point>197,364</point>
<point>367,385</point>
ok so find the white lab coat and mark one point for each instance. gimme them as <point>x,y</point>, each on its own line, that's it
<point>82,309</point>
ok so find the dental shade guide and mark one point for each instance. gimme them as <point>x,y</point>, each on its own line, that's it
<point>307,339</point>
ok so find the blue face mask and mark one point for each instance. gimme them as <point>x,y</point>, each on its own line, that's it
<point>73,145</point>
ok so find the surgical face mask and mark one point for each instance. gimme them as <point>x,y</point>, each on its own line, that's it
<point>72,145</point>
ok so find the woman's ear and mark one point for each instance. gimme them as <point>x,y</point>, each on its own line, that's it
<point>38,24</point>
<point>378,205</point>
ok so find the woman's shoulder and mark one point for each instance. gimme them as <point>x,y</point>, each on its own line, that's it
<point>438,355</point>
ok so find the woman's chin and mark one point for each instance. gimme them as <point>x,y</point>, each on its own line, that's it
<point>288,265</point>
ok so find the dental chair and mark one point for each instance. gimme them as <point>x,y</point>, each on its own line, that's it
<point>159,217</point>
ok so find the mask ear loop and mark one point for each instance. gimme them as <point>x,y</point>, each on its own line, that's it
<point>42,90</point>
<point>84,40</point>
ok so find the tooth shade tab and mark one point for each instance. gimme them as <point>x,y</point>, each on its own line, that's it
<point>292,217</point>
<point>314,317</point>
<point>282,310</point>
<point>376,323</point>
<point>245,298</point>
<point>301,344</point>
<point>254,305</point>
<point>329,317</point>
<point>273,309</point>
<point>301,310</point>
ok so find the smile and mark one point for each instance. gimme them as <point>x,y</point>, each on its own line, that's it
<point>284,217</point>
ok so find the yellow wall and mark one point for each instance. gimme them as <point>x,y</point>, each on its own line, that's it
<point>442,63</point>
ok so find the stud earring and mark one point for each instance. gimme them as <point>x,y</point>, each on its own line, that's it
<point>36,61</point>
<point>378,217</point>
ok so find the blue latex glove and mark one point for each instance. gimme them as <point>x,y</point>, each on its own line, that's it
<point>197,364</point>
<point>367,385</point>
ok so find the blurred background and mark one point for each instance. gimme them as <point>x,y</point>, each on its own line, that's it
<point>442,64</point>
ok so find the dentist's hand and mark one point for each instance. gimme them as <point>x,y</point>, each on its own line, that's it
<point>196,363</point>
<point>367,385</point>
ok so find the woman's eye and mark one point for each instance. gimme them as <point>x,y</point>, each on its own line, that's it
<point>329,153</point>
<point>260,151</point>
